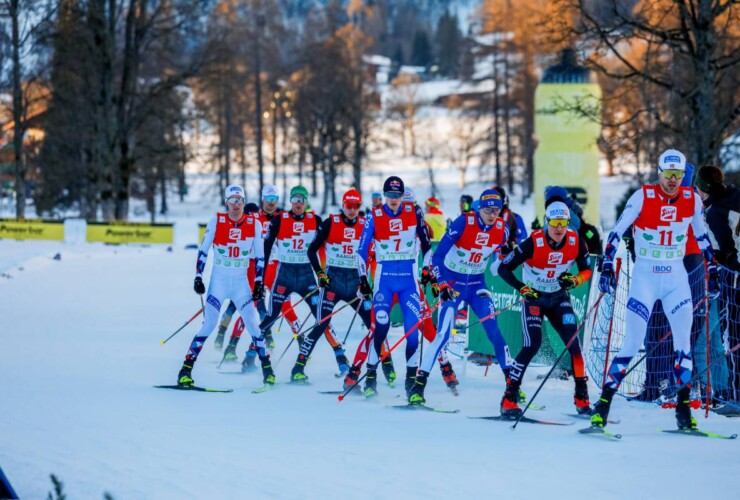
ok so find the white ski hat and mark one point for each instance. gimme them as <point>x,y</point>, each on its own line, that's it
<point>557,210</point>
<point>672,159</point>
<point>270,190</point>
<point>234,190</point>
<point>409,195</point>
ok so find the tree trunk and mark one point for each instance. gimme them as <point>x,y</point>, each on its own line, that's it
<point>18,114</point>
<point>260,22</point>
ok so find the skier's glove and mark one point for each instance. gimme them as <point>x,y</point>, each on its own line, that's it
<point>568,281</point>
<point>445,292</point>
<point>324,280</point>
<point>426,276</point>
<point>529,293</point>
<point>607,280</point>
<point>713,280</point>
<point>365,289</point>
<point>259,291</point>
<point>198,286</point>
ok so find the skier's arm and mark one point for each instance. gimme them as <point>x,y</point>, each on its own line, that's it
<point>313,249</point>
<point>445,245</point>
<point>625,221</point>
<point>514,260</point>
<point>717,220</point>
<point>583,261</point>
<point>205,246</point>
<point>368,233</point>
<point>700,230</point>
<point>271,236</point>
<point>258,251</point>
<point>423,234</point>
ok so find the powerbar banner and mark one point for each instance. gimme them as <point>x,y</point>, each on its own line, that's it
<point>201,232</point>
<point>129,232</point>
<point>36,229</point>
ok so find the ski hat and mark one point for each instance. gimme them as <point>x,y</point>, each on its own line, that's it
<point>433,202</point>
<point>710,179</point>
<point>376,194</point>
<point>502,192</point>
<point>352,196</point>
<point>672,159</point>
<point>490,198</point>
<point>234,190</point>
<point>299,191</point>
<point>270,190</point>
<point>555,193</point>
<point>557,210</point>
<point>408,195</point>
<point>393,184</point>
<point>251,208</point>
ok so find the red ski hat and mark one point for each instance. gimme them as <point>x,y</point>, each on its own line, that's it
<point>433,202</point>
<point>352,196</point>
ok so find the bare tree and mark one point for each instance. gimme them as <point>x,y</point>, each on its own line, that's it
<point>403,103</point>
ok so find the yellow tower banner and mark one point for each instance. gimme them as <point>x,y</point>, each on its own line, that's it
<point>34,229</point>
<point>567,152</point>
<point>201,232</point>
<point>129,232</point>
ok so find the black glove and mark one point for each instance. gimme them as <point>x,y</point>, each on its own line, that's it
<point>529,293</point>
<point>426,276</point>
<point>445,292</point>
<point>568,281</point>
<point>324,280</point>
<point>435,289</point>
<point>258,292</point>
<point>198,286</point>
<point>365,289</point>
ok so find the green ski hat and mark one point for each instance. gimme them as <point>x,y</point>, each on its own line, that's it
<point>299,191</point>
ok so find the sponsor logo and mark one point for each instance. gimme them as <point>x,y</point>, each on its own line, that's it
<point>539,242</point>
<point>555,258</point>
<point>214,302</point>
<point>470,219</point>
<point>559,213</point>
<point>509,258</point>
<point>222,219</point>
<point>395,183</point>
<point>687,194</point>
<point>407,208</point>
<point>298,227</point>
<point>569,319</point>
<point>235,233</point>
<point>330,296</point>
<point>280,289</point>
<point>482,239</point>
<point>638,308</point>
<point>571,240</point>
<point>680,305</point>
<point>662,269</point>
<point>650,194</point>
<point>534,310</point>
<point>381,317</point>
<point>396,225</point>
<point>379,297</point>
<point>668,214</point>
<point>499,224</point>
<point>349,233</point>
<point>672,159</point>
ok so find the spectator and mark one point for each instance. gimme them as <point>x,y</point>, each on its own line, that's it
<point>466,201</point>
<point>435,218</point>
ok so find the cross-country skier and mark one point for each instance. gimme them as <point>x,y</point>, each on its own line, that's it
<point>459,264</point>
<point>546,257</point>
<point>236,239</point>
<point>394,227</point>
<point>662,216</point>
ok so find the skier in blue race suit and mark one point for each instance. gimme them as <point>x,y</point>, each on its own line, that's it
<point>396,229</point>
<point>459,265</point>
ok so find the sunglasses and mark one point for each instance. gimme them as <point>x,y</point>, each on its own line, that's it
<point>297,199</point>
<point>558,222</point>
<point>393,195</point>
<point>271,199</point>
<point>352,206</point>
<point>672,173</point>
<point>491,210</point>
<point>234,200</point>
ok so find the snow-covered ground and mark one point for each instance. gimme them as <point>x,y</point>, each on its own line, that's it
<point>81,351</point>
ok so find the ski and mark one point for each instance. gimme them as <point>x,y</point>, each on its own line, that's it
<point>588,417</point>
<point>422,407</point>
<point>526,420</point>
<point>697,432</point>
<point>600,431</point>
<point>334,392</point>
<point>192,388</point>
<point>264,388</point>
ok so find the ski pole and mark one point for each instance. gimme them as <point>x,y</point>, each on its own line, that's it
<point>183,326</point>
<point>611,323</point>
<point>708,367</point>
<point>389,351</point>
<point>202,308</point>
<point>295,336</point>
<point>557,361</point>
<point>492,315</point>
<point>354,317</point>
<point>327,317</point>
<point>292,307</point>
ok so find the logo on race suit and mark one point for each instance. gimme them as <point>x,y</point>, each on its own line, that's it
<point>555,258</point>
<point>396,225</point>
<point>650,194</point>
<point>349,233</point>
<point>280,289</point>
<point>499,224</point>
<point>235,233</point>
<point>408,208</point>
<point>668,214</point>
<point>662,269</point>
<point>482,239</point>
<point>379,297</point>
<point>539,242</point>
<point>638,308</point>
<point>381,317</point>
<point>534,310</point>
<point>687,194</point>
<point>571,240</point>
<point>471,219</point>
<point>680,305</point>
<point>569,319</point>
<point>330,296</point>
<point>298,227</point>
<point>222,219</point>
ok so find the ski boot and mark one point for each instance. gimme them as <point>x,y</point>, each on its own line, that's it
<point>600,411</point>
<point>684,419</point>
<point>509,407</point>
<point>269,341</point>
<point>352,377</point>
<point>268,376</point>
<point>416,397</point>
<point>342,361</point>
<point>371,381</point>
<point>389,372</point>
<point>448,374</point>
<point>219,343</point>
<point>296,374</point>
<point>248,364</point>
<point>410,379</point>
<point>185,378</point>
<point>580,399</point>
<point>230,351</point>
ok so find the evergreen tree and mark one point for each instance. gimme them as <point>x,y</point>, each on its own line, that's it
<point>447,44</point>
<point>421,53</point>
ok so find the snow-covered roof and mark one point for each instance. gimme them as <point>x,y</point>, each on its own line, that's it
<point>377,60</point>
